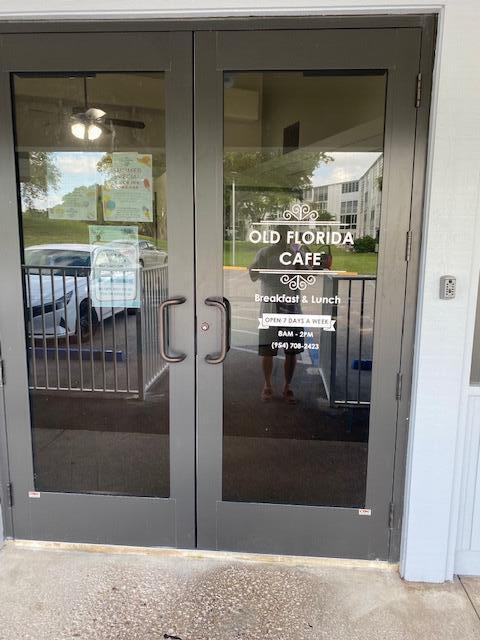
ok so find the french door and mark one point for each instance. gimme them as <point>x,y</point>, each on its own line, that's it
<point>204,256</point>
<point>304,152</point>
<point>97,234</point>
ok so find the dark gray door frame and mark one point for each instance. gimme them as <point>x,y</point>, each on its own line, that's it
<point>258,23</point>
<point>273,528</point>
<point>5,491</point>
<point>87,517</point>
<point>427,23</point>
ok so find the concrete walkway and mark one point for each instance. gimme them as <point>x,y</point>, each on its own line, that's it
<point>48,594</point>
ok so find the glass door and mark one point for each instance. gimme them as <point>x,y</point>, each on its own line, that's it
<point>305,150</point>
<point>99,241</point>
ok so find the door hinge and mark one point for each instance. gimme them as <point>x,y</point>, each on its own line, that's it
<point>391,515</point>
<point>398,390</point>
<point>418,94</point>
<point>408,245</point>
<point>2,373</point>
<point>10,494</point>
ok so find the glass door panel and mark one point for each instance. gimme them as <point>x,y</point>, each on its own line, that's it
<point>303,162</point>
<point>91,166</point>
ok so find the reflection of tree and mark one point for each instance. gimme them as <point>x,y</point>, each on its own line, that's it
<point>322,215</point>
<point>82,191</point>
<point>105,164</point>
<point>43,177</point>
<point>266,182</point>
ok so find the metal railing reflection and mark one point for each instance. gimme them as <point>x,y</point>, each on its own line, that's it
<point>346,353</point>
<point>154,292</point>
<point>74,344</point>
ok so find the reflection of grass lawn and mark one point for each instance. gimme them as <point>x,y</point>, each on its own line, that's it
<point>40,230</point>
<point>364,263</point>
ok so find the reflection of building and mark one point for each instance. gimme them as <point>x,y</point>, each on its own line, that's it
<point>355,203</point>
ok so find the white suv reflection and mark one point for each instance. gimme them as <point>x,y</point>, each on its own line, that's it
<point>58,297</point>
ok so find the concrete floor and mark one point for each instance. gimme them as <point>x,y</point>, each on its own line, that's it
<point>59,595</point>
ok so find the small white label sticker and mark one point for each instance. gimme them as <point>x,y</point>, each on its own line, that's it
<point>34,494</point>
<point>364,512</point>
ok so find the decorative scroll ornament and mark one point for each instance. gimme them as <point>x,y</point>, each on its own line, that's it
<point>298,281</point>
<point>301,213</point>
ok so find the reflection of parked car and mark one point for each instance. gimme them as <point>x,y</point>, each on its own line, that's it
<point>148,254</point>
<point>58,301</point>
<point>58,296</point>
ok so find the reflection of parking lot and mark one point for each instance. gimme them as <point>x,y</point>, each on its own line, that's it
<point>108,360</point>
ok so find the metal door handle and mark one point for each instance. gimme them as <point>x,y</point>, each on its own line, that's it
<point>224,305</point>
<point>169,302</point>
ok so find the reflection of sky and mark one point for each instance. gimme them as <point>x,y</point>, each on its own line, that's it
<point>77,169</point>
<point>345,166</point>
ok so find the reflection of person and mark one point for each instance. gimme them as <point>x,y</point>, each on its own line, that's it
<point>272,287</point>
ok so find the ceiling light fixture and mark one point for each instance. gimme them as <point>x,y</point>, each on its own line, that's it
<point>91,122</point>
<point>85,125</point>
<point>93,132</point>
<point>85,128</point>
<point>78,130</point>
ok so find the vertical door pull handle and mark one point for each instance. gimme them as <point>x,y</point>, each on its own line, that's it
<point>224,306</point>
<point>163,330</point>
